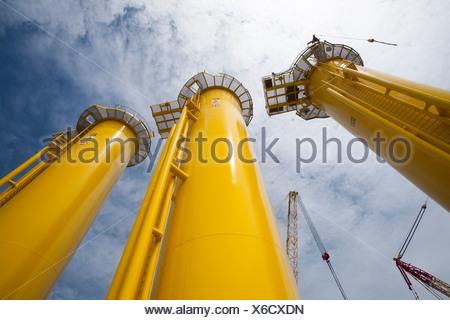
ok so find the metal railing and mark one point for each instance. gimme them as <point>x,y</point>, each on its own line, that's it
<point>59,145</point>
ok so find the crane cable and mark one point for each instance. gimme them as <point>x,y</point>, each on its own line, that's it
<point>279,205</point>
<point>368,40</point>
<point>323,251</point>
<point>430,289</point>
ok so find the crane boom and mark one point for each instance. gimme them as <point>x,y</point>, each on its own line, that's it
<point>292,233</point>
<point>422,276</point>
<point>323,251</point>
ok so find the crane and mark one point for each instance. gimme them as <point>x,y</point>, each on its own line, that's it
<point>324,253</point>
<point>430,282</point>
<point>292,237</point>
<point>292,233</point>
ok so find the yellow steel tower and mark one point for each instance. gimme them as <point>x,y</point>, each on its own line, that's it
<point>404,122</point>
<point>46,212</point>
<point>221,240</point>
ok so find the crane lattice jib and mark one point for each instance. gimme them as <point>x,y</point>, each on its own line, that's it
<point>292,233</point>
<point>424,277</point>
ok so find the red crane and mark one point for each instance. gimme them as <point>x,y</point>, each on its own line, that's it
<point>430,282</point>
<point>422,276</point>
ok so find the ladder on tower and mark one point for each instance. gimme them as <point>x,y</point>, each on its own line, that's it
<point>23,175</point>
<point>135,274</point>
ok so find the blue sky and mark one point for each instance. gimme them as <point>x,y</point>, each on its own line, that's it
<point>139,53</point>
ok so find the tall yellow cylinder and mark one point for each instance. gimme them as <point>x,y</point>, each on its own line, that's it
<point>221,239</point>
<point>413,140</point>
<point>405,122</point>
<point>42,226</point>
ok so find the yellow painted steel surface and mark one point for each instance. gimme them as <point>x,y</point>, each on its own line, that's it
<point>221,239</point>
<point>43,225</point>
<point>402,112</point>
<point>134,275</point>
<point>141,234</point>
<point>406,123</point>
